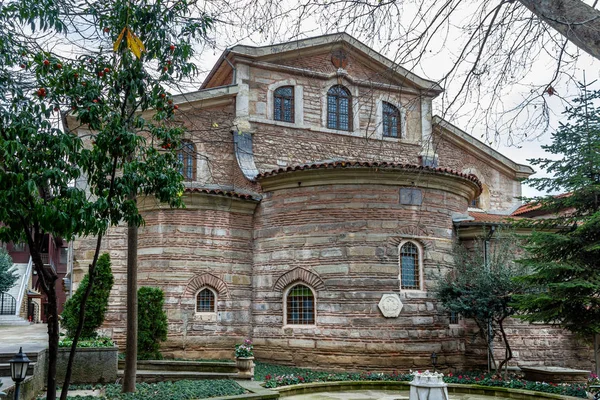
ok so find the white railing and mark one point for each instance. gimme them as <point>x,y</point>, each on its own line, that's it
<point>24,285</point>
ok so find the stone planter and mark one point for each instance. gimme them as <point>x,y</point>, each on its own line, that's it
<point>245,365</point>
<point>91,365</point>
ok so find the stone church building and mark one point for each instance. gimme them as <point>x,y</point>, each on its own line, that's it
<point>323,200</point>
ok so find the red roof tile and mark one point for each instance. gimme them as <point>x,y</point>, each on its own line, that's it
<point>483,217</point>
<point>219,192</point>
<point>368,164</point>
<point>534,205</point>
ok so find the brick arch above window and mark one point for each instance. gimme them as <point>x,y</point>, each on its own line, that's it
<point>299,275</point>
<point>206,280</point>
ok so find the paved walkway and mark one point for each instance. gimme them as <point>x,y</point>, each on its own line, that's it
<point>379,395</point>
<point>30,337</point>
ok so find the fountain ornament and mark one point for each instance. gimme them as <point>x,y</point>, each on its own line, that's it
<point>428,386</point>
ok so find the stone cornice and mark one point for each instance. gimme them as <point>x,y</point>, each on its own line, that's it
<point>198,200</point>
<point>480,150</point>
<point>371,175</point>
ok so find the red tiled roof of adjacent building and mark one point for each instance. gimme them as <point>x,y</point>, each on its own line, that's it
<point>368,164</point>
<point>483,217</point>
<point>534,205</point>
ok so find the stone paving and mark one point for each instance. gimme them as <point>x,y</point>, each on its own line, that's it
<point>379,395</point>
<point>31,337</point>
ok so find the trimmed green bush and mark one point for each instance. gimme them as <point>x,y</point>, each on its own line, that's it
<point>152,323</point>
<point>96,305</point>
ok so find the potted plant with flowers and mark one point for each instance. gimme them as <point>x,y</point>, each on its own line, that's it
<point>244,358</point>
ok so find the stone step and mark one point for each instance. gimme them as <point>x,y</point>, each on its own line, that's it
<point>6,357</point>
<point>13,320</point>
<point>5,368</point>
<point>185,366</point>
<point>157,376</point>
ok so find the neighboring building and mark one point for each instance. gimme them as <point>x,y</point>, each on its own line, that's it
<point>25,302</point>
<point>323,201</point>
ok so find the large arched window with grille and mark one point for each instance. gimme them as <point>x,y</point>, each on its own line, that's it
<point>187,158</point>
<point>410,266</point>
<point>283,104</point>
<point>300,305</point>
<point>391,121</point>
<point>206,301</point>
<point>339,108</point>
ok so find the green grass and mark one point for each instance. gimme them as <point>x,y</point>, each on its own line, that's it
<point>180,390</point>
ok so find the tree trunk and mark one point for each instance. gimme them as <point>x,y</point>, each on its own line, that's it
<point>91,274</point>
<point>575,20</point>
<point>508,353</point>
<point>596,349</point>
<point>132,314</point>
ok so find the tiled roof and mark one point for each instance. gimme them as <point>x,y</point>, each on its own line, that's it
<point>534,205</point>
<point>483,217</point>
<point>368,164</point>
<point>220,192</point>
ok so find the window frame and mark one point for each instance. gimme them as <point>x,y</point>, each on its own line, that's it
<point>337,107</point>
<point>215,300</point>
<point>181,156</point>
<point>286,293</point>
<point>387,116</point>
<point>282,107</point>
<point>418,266</point>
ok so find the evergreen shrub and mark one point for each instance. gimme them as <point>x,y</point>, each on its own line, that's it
<point>152,323</point>
<point>96,305</point>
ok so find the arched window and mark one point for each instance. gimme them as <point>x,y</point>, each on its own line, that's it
<point>283,104</point>
<point>187,158</point>
<point>300,306</point>
<point>391,121</point>
<point>206,301</point>
<point>339,108</point>
<point>410,269</point>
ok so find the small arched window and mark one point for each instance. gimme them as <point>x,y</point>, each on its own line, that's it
<point>300,306</point>
<point>206,301</point>
<point>410,270</point>
<point>283,104</point>
<point>339,108</point>
<point>391,121</point>
<point>187,158</point>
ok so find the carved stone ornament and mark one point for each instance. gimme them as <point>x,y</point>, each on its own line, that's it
<point>390,305</point>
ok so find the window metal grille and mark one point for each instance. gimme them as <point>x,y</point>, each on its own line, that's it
<point>284,104</point>
<point>187,158</point>
<point>391,121</point>
<point>339,108</point>
<point>453,317</point>
<point>474,203</point>
<point>205,301</point>
<point>409,264</point>
<point>8,304</point>
<point>300,306</point>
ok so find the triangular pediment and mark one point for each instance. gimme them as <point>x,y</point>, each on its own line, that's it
<point>325,55</point>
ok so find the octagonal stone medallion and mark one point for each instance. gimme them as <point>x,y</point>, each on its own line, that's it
<point>390,305</point>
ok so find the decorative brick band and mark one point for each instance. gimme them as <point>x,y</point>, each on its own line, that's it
<point>299,274</point>
<point>200,281</point>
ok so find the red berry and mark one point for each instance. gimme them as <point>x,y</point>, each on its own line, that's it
<point>73,108</point>
<point>170,102</point>
<point>76,75</point>
<point>175,107</point>
<point>95,100</point>
<point>83,83</point>
<point>165,68</point>
<point>168,62</point>
<point>91,60</point>
<point>101,74</point>
<point>106,30</point>
<point>172,47</point>
<point>46,62</point>
<point>23,65</point>
<point>58,66</point>
<point>107,70</point>
<point>162,95</point>
<point>56,109</point>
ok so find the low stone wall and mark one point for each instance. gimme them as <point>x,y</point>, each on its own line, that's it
<point>91,365</point>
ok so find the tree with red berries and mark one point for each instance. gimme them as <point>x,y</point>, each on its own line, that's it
<point>139,50</point>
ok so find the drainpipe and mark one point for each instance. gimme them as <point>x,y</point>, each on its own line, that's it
<point>234,80</point>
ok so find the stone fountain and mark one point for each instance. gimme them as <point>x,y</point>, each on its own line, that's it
<point>428,386</point>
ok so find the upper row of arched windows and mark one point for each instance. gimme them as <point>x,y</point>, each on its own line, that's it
<point>339,110</point>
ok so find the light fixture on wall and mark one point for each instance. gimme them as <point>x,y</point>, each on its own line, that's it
<point>434,360</point>
<point>18,369</point>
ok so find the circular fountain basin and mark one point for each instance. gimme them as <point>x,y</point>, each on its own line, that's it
<point>381,395</point>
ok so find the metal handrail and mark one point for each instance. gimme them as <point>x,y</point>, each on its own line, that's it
<point>24,285</point>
